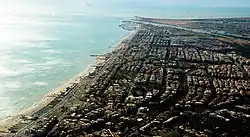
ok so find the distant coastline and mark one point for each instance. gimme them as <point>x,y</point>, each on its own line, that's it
<point>195,25</point>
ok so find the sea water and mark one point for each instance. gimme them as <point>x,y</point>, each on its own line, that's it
<point>45,43</point>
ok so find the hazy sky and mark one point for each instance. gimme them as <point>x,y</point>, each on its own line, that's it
<point>210,3</point>
<point>30,6</point>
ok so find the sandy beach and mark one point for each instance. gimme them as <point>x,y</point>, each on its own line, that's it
<point>12,120</point>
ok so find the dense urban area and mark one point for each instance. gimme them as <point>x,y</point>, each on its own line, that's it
<point>161,81</point>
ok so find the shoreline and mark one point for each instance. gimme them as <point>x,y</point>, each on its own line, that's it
<point>8,122</point>
<point>162,77</point>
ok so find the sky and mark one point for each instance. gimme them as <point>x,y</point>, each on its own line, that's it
<point>199,3</point>
<point>51,6</point>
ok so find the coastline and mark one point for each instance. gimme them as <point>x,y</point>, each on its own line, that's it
<point>146,81</point>
<point>8,122</point>
<point>12,120</point>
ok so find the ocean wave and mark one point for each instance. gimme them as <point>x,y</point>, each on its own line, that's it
<point>49,40</point>
<point>51,62</point>
<point>42,75</point>
<point>66,65</point>
<point>30,70</point>
<point>46,68</point>
<point>12,85</point>
<point>23,61</point>
<point>40,84</point>
<point>51,51</point>
<point>2,109</point>
<point>23,98</point>
<point>77,14</point>
<point>7,72</point>
<point>49,58</point>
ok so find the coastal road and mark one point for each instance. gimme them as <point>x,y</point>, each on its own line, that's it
<point>72,91</point>
<point>70,94</point>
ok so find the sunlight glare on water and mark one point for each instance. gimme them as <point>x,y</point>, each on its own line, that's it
<point>42,48</point>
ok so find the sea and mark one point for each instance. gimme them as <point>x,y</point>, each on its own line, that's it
<point>44,43</point>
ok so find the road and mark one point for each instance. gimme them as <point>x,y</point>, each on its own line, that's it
<point>65,99</point>
<point>57,106</point>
